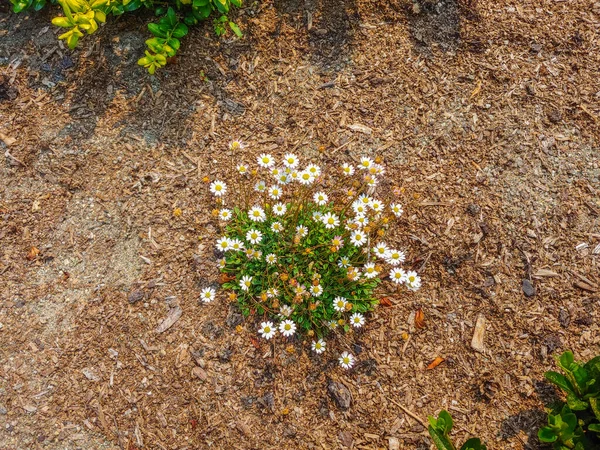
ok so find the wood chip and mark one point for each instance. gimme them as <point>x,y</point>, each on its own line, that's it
<point>545,273</point>
<point>360,128</point>
<point>172,317</point>
<point>477,343</point>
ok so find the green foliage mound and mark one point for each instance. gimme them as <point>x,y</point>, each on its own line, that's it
<point>175,16</point>
<point>575,422</point>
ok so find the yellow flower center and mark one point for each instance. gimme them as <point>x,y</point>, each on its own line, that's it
<point>267,329</point>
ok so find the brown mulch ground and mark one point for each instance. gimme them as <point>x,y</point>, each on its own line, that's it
<point>488,116</point>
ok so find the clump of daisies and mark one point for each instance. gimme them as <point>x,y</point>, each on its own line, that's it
<point>303,247</point>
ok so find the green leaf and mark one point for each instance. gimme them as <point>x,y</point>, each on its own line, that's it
<point>239,34</point>
<point>172,17</point>
<point>575,404</point>
<point>174,43</point>
<point>559,380</point>
<point>156,30</point>
<point>237,3</point>
<point>180,30</point>
<point>62,22</point>
<point>566,360</point>
<point>595,427</point>
<point>473,444</point>
<point>439,439</point>
<point>447,421</point>
<point>595,404</point>
<point>547,434</point>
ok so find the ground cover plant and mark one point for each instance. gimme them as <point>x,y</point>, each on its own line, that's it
<point>304,249</point>
<point>84,16</point>
<point>575,422</point>
<point>439,430</point>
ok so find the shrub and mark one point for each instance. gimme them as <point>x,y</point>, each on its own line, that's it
<point>439,430</point>
<point>305,249</point>
<point>84,16</point>
<point>575,423</point>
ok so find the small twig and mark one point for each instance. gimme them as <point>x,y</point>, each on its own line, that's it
<point>409,412</point>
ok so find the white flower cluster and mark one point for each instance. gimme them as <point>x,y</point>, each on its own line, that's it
<point>351,222</point>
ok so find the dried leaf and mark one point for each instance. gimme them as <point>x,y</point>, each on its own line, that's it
<point>33,253</point>
<point>224,278</point>
<point>419,318</point>
<point>436,362</point>
<point>385,301</point>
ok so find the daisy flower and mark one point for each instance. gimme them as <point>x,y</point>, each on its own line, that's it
<point>276,171</point>
<point>306,178</point>
<point>225,214</point>
<point>246,282</point>
<point>376,169</point>
<point>218,188</point>
<point>277,227</point>
<point>381,250</point>
<point>337,242</point>
<point>267,329</point>
<point>394,257</point>
<point>221,263</point>
<point>279,209</point>
<point>207,295</point>
<point>396,209</point>
<point>364,199</point>
<point>290,160</point>
<point>271,258</point>
<point>301,231</point>
<point>376,205</point>
<point>320,198</point>
<point>344,262</point>
<point>265,160</point>
<point>224,244</point>
<point>346,360</point>
<point>242,168</point>
<point>365,163</point>
<point>272,292</point>
<point>236,245</point>
<point>332,324</point>
<point>330,220</point>
<point>294,175</point>
<point>257,214</point>
<point>357,320</point>
<point>359,207</point>
<point>260,186</point>
<point>254,236</point>
<point>353,273</point>
<point>318,346</point>
<point>285,310</point>
<point>339,304</point>
<point>314,170</point>
<point>316,291</point>
<point>284,178</point>
<point>347,169</point>
<point>370,271</point>
<point>275,192</point>
<point>398,275</point>
<point>361,220</point>
<point>358,238</point>
<point>413,281</point>
<point>236,145</point>
<point>317,216</point>
<point>256,254</point>
<point>287,328</point>
<point>372,181</point>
